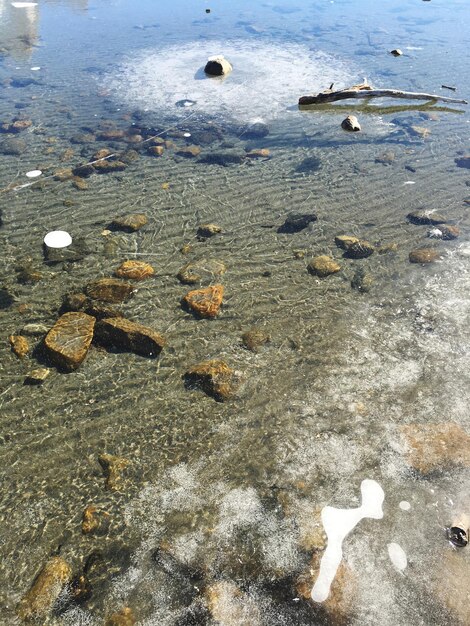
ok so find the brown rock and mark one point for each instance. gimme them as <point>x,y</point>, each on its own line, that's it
<point>68,340</point>
<point>323,266</point>
<point>110,135</point>
<point>79,183</point>
<point>208,230</point>
<point>433,447</point>
<point>95,521</point>
<point>255,338</point>
<point>19,345</point>
<point>344,241</point>
<point>129,223</point>
<point>261,153</point>
<point>112,468</point>
<point>63,174</point>
<point>16,126</point>
<point>215,378</point>
<point>204,269</point>
<point>37,376</point>
<point>106,165</point>
<point>359,250</point>
<point>67,154</point>
<point>135,270</point>
<point>40,599</point>
<point>101,154</point>
<point>205,302</point>
<point>450,584</point>
<point>119,333</point>
<point>447,233</point>
<point>109,290</point>
<point>424,255</point>
<point>125,617</point>
<point>156,151</point>
<point>189,152</point>
<point>230,606</point>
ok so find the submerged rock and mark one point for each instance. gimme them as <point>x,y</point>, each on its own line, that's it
<point>77,251</point>
<point>345,241</point>
<point>122,334</point>
<point>447,233</point>
<point>47,586</point>
<point>424,255</point>
<point>362,280</point>
<point>16,126</point>
<point>34,330</point>
<point>134,270</point>
<point>385,158</point>
<point>323,266</point>
<point>295,222</point>
<point>105,166</point>
<point>308,165</point>
<point>254,338</point>
<point>156,151</point>
<point>197,271</point>
<point>12,146</point>
<point>19,345</point>
<point>425,217</point>
<point>215,378</point>
<point>37,376</point>
<point>257,130</point>
<point>222,158</point>
<point>129,223</point>
<point>463,162</point>
<point>205,302</point>
<point>359,250</point>
<point>6,299</point>
<point>109,290</point>
<point>95,521</point>
<point>205,231</point>
<point>434,447</point>
<point>189,152</point>
<point>112,468</point>
<point>258,153</point>
<point>68,341</point>
<point>125,617</point>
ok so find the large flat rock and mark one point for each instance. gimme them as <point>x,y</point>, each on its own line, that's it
<point>68,341</point>
<point>121,334</point>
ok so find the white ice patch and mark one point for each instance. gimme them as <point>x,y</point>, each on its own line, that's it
<point>338,523</point>
<point>23,5</point>
<point>397,556</point>
<point>33,173</point>
<point>266,78</point>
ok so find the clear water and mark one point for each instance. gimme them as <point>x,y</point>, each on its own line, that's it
<point>231,492</point>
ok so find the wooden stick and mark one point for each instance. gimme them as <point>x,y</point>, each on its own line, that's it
<point>366,91</point>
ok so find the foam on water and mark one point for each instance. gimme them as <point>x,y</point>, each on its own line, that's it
<point>267,78</point>
<point>397,556</point>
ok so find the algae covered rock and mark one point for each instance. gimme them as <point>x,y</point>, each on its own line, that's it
<point>46,588</point>
<point>344,241</point>
<point>123,335</point>
<point>125,617</point>
<point>431,447</point>
<point>360,249</point>
<point>323,266</point>
<point>205,302</point>
<point>112,467</point>
<point>208,230</point>
<point>215,378</point>
<point>19,345</point>
<point>134,270</point>
<point>68,341</point>
<point>95,521</point>
<point>295,222</point>
<point>198,271</point>
<point>254,338</point>
<point>424,255</point>
<point>426,217</point>
<point>109,290</point>
<point>129,223</point>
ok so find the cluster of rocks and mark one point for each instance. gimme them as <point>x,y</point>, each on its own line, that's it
<point>440,230</point>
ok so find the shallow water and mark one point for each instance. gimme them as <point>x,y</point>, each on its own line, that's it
<point>226,496</point>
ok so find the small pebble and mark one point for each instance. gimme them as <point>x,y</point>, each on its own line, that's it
<point>33,173</point>
<point>57,239</point>
<point>404,505</point>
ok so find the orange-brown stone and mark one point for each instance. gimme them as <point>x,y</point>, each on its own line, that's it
<point>94,521</point>
<point>215,378</point>
<point>40,599</point>
<point>156,151</point>
<point>112,468</point>
<point>129,223</point>
<point>135,270</point>
<point>119,333</point>
<point>68,341</point>
<point>19,345</point>
<point>109,290</point>
<point>205,302</point>
<point>433,447</point>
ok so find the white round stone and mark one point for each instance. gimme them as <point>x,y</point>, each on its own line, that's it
<point>404,505</point>
<point>33,173</point>
<point>57,239</point>
<point>186,134</point>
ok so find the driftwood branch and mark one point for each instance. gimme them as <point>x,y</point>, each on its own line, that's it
<point>364,90</point>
